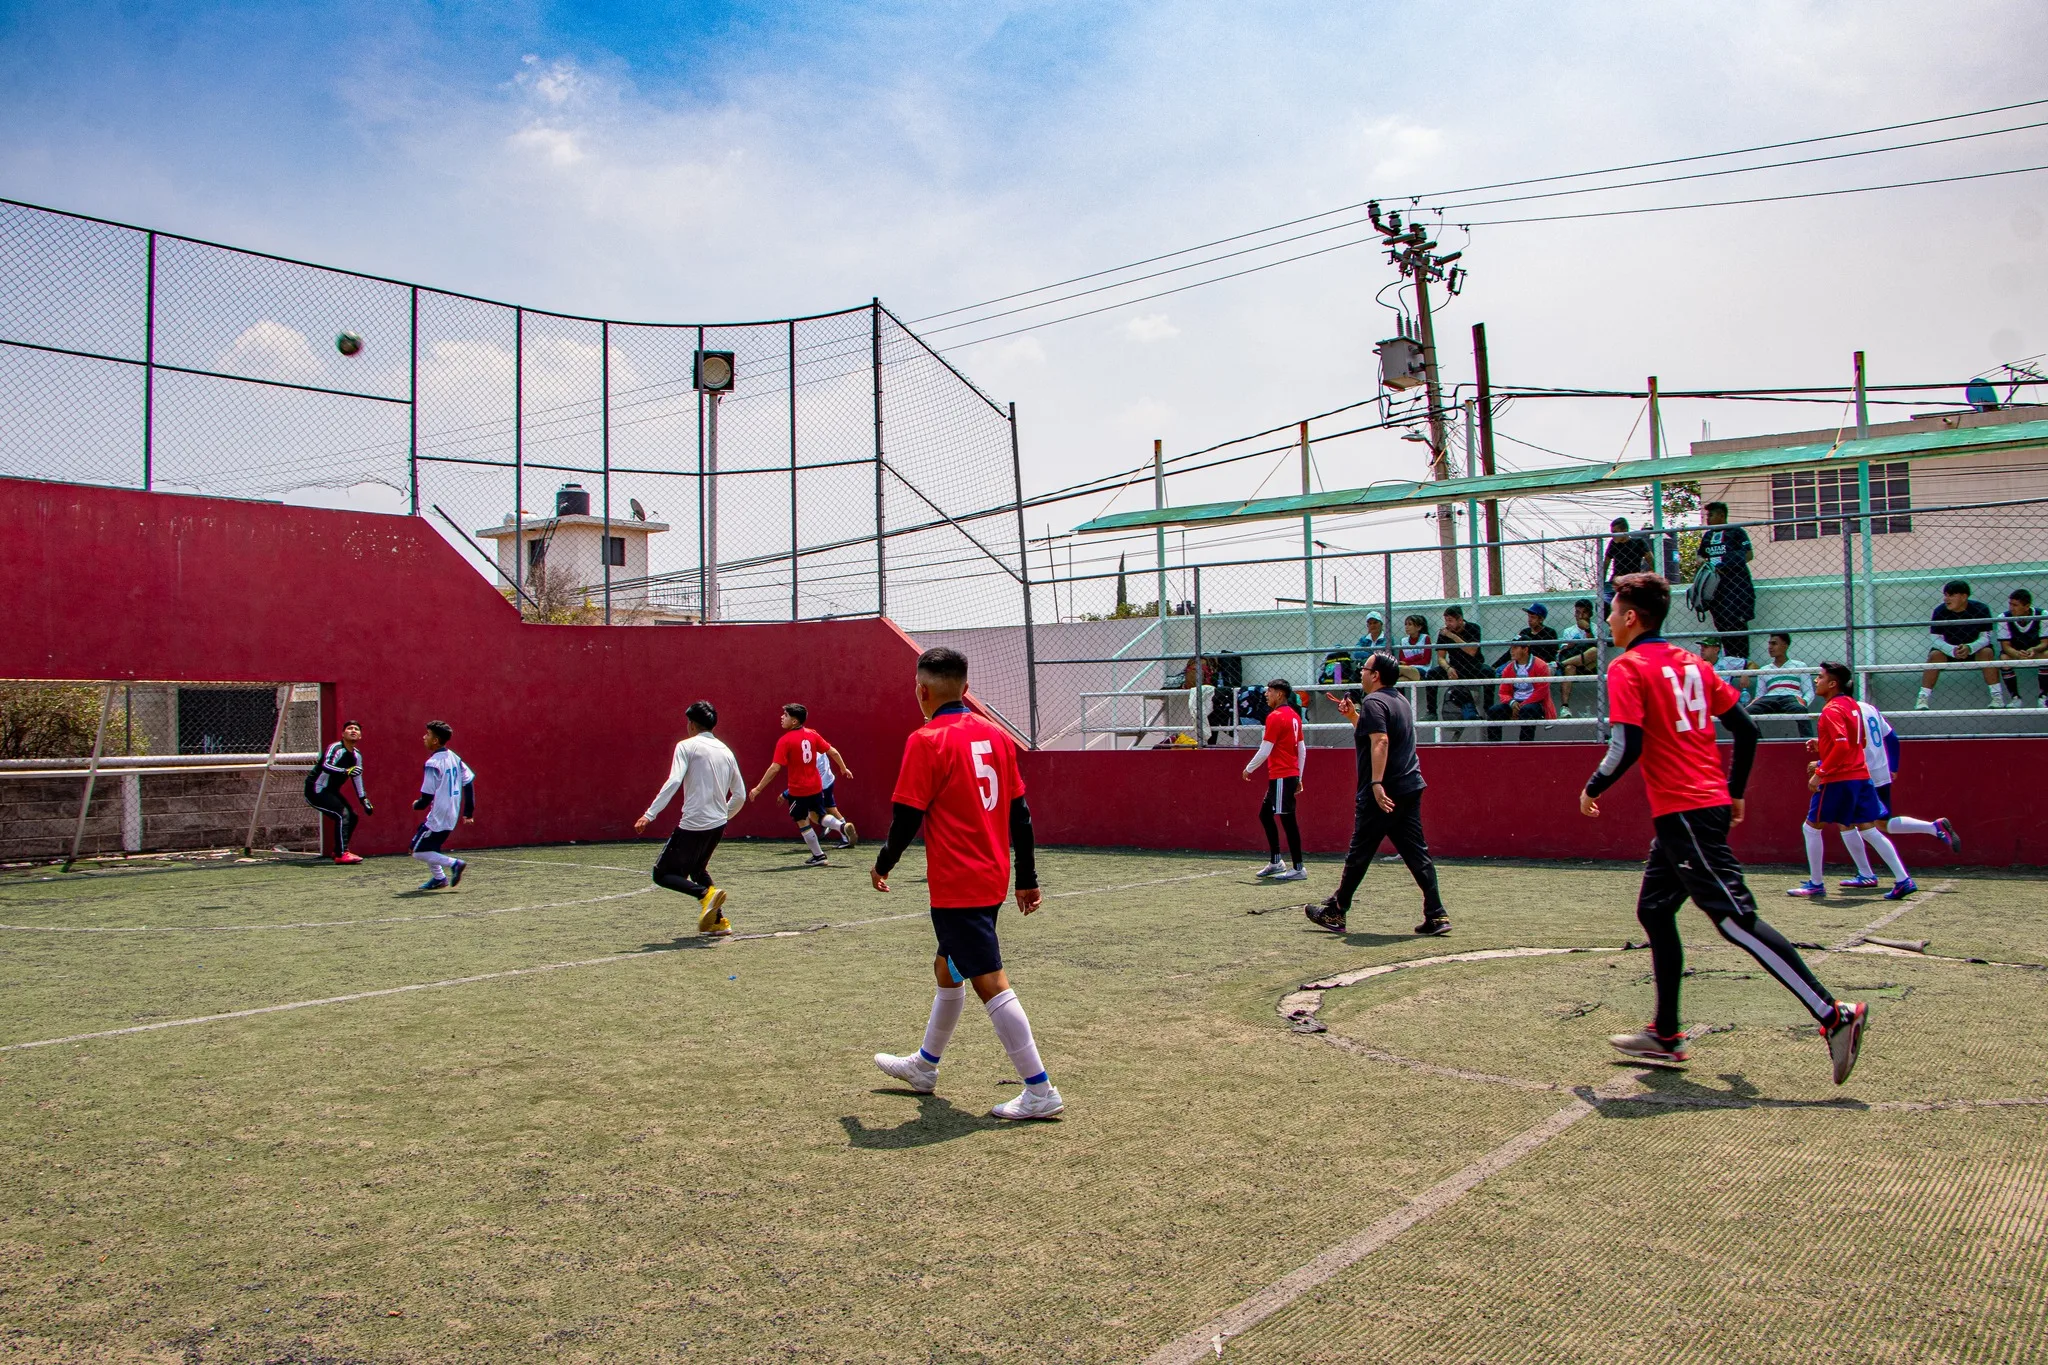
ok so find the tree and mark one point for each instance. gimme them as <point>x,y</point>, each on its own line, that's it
<point>48,720</point>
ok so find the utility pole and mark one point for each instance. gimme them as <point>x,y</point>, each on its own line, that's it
<point>1159,536</point>
<point>1493,568</point>
<point>1412,250</point>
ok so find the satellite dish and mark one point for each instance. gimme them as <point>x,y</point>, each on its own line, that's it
<point>639,512</point>
<point>1981,395</point>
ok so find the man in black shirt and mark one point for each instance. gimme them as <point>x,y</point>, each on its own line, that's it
<point>1389,803</point>
<point>340,765</point>
<point>1625,554</point>
<point>1458,656</point>
<point>1727,549</point>
<point>1538,632</point>
<point>1960,631</point>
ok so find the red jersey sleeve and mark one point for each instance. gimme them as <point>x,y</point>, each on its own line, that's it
<point>1624,692</point>
<point>917,780</point>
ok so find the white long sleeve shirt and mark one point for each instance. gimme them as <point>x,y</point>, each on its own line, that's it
<point>709,778</point>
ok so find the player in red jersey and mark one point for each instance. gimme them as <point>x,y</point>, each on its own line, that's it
<point>1664,702</point>
<point>1284,755</point>
<point>959,782</point>
<point>1843,794</point>
<point>797,753</point>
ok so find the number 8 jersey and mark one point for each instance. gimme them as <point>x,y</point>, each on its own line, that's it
<point>1673,697</point>
<point>961,771</point>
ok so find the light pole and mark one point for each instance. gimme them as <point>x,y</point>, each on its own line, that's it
<point>713,376</point>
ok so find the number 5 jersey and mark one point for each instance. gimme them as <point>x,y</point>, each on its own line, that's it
<point>961,771</point>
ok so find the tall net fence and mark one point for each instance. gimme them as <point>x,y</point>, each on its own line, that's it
<point>847,470</point>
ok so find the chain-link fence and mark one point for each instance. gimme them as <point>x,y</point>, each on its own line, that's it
<point>92,769</point>
<point>846,470</point>
<point>1787,594</point>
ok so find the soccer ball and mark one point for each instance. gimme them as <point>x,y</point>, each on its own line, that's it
<point>348,343</point>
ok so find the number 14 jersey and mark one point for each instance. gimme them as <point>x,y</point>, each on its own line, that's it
<point>961,771</point>
<point>1673,696</point>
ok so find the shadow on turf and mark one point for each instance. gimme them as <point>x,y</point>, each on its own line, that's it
<point>938,1120</point>
<point>1671,1092</point>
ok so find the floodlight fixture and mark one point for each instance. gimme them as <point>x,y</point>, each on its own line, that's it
<point>712,372</point>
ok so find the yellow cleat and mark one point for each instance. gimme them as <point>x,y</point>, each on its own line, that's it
<point>712,921</point>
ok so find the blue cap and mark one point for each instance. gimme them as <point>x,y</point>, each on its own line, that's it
<point>1537,609</point>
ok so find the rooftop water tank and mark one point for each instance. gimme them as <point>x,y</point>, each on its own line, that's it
<point>572,501</point>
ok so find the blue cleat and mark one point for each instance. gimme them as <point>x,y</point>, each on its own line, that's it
<point>1901,889</point>
<point>1946,832</point>
<point>434,884</point>
<point>1857,883</point>
<point>1810,890</point>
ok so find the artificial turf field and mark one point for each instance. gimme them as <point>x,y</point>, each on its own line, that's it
<point>677,1150</point>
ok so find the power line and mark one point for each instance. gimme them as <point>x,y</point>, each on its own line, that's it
<point>1480,189</point>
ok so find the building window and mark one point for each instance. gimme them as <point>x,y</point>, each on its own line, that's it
<point>1813,503</point>
<point>536,558</point>
<point>615,551</point>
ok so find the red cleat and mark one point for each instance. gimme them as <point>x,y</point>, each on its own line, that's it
<point>347,858</point>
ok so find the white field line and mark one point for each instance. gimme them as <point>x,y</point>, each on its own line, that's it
<point>482,976</point>
<point>309,923</point>
<point>1207,1340</point>
<point>1917,898</point>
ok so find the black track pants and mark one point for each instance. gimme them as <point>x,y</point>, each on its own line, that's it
<point>685,861</point>
<point>1370,827</point>
<point>332,804</point>
<point>1690,858</point>
<point>1279,807</point>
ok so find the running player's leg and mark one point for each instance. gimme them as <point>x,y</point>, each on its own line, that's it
<point>805,809</point>
<point>968,937</point>
<point>1289,788</point>
<point>1267,806</point>
<point>920,1069</point>
<point>1657,903</point>
<point>671,869</point>
<point>1887,850</point>
<point>1859,854</point>
<point>699,870</point>
<point>1713,878</point>
<point>1404,829</point>
<point>426,846</point>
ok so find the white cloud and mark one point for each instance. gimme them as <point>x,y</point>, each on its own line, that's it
<point>271,350</point>
<point>555,83</point>
<point>556,146</point>
<point>1150,327</point>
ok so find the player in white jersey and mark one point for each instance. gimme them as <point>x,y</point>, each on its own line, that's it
<point>708,776</point>
<point>834,820</point>
<point>1881,756</point>
<point>447,794</point>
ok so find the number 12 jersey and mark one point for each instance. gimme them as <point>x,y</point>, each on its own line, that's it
<point>1673,696</point>
<point>961,771</point>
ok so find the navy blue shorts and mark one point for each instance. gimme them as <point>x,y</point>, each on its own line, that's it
<point>426,840</point>
<point>830,796</point>
<point>1853,802</point>
<point>802,807</point>
<point>969,938</point>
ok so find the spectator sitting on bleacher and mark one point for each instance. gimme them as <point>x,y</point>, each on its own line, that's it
<point>2019,637</point>
<point>1458,656</point>
<point>1578,653</point>
<point>1542,638</point>
<point>1524,692</point>
<point>1375,638</point>
<point>1734,670</point>
<point>1961,630</point>
<point>1784,686</point>
<point>1412,653</point>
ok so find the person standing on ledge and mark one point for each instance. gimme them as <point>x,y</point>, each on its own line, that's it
<point>1389,801</point>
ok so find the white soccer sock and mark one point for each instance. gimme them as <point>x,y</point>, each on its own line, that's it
<point>441,862</point>
<point>1887,851</point>
<point>1906,824</point>
<point>1015,1032</point>
<point>811,842</point>
<point>1852,839</point>
<point>1816,852</point>
<point>938,1030</point>
<point>1926,694</point>
<point>833,824</point>
<point>1998,694</point>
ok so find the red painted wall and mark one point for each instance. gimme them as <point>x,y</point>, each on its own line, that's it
<point>569,728</point>
<point>1512,800</point>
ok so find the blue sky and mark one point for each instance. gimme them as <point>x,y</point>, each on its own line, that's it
<point>689,161</point>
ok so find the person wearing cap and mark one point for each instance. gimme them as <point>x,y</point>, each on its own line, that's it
<point>1541,636</point>
<point>1375,638</point>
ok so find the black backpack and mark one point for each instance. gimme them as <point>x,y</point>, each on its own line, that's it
<point>1252,705</point>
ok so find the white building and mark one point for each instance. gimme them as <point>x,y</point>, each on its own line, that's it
<point>567,554</point>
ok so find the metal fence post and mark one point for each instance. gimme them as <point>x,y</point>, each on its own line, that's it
<point>284,701</point>
<point>795,609</point>
<point>92,773</point>
<point>1387,593</point>
<point>1201,662</point>
<point>412,406</point>
<point>604,440</point>
<point>881,525</point>
<point>1024,577</point>
<point>519,445</point>
<point>703,559</point>
<point>148,377</point>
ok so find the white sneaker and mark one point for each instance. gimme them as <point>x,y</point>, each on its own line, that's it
<point>1923,704</point>
<point>1272,869</point>
<point>1029,1106</point>
<point>1564,713</point>
<point>1292,874</point>
<point>913,1070</point>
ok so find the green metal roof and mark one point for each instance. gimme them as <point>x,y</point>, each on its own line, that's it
<point>1580,478</point>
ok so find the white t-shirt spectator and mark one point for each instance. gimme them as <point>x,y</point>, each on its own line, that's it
<point>1788,679</point>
